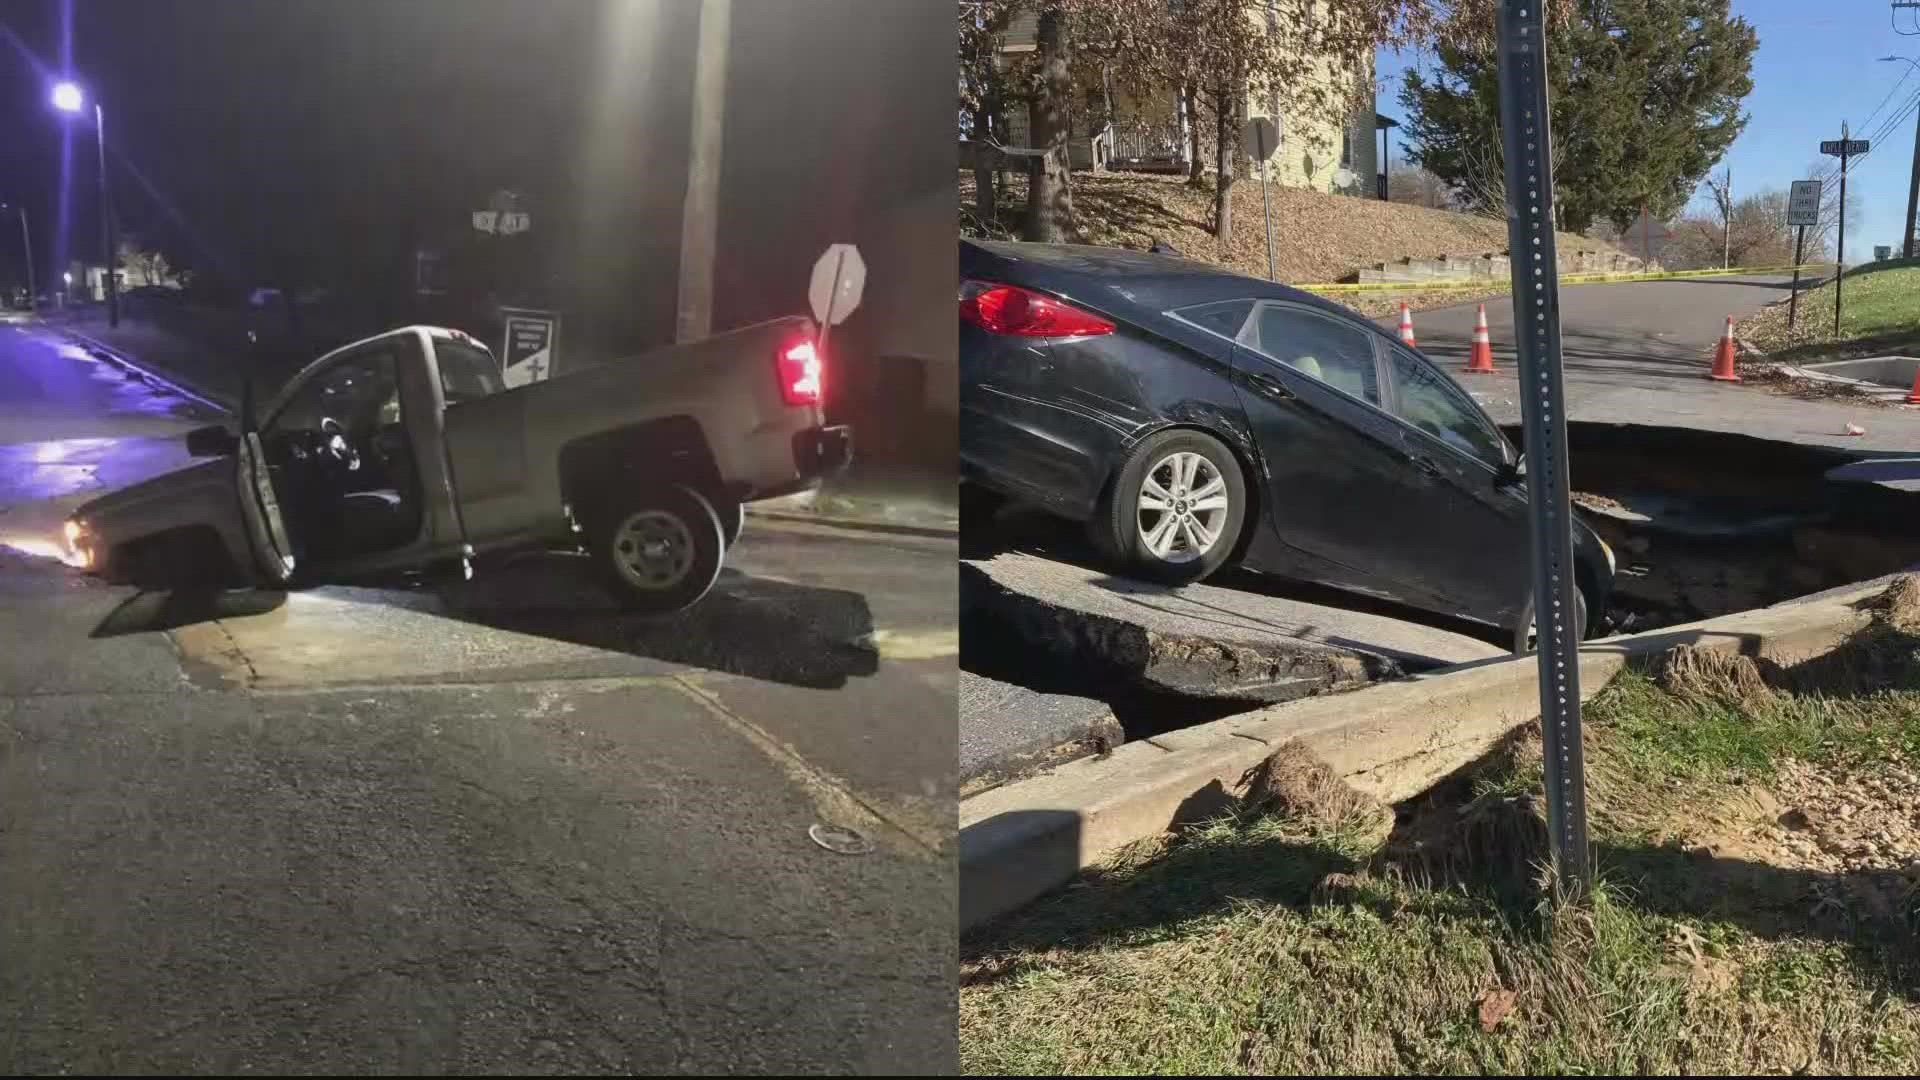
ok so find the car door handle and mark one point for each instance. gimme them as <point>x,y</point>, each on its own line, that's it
<point>1267,385</point>
<point>1424,464</point>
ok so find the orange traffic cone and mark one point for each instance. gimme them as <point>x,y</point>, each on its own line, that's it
<point>1480,359</point>
<point>1913,395</point>
<point>1406,326</point>
<point>1723,356</point>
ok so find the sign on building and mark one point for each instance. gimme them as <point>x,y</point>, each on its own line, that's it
<point>1803,203</point>
<point>1882,252</point>
<point>530,346</point>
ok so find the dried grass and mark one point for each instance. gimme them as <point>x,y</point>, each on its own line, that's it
<point>1691,671</point>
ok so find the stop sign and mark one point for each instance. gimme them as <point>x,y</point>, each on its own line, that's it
<point>839,277</point>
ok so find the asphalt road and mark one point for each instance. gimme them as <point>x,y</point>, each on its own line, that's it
<point>1639,353</point>
<point>495,828</point>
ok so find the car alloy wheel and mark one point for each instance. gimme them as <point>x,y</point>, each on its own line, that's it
<point>1182,508</point>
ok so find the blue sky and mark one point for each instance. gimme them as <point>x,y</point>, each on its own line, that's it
<point>1815,67</point>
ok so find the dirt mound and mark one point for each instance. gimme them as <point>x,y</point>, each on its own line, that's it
<point>1885,655</point>
<point>1899,605</point>
<point>1692,671</point>
<point>1293,783</point>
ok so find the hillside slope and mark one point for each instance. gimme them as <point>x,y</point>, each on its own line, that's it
<point>1317,237</point>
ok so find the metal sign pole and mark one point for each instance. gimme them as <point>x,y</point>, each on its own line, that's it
<point>1526,142</point>
<point>1793,297</point>
<point>1840,261</point>
<point>1266,209</point>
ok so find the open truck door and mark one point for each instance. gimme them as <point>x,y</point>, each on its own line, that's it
<point>260,507</point>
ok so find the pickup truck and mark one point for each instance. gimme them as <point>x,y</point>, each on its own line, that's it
<point>406,451</point>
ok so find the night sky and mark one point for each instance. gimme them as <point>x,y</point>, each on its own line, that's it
<point>319,142</point>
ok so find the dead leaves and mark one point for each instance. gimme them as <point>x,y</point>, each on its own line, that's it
<point>1495,1004</point>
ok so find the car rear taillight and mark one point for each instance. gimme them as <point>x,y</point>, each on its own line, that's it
<point>1008,309</point>
<point>802,373</point>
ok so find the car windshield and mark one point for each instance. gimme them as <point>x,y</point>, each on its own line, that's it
<point>466,372</point>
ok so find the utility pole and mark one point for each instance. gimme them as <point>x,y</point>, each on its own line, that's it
<point>1913,177</point>
<point>699,217</point>
<point>1913,193</point>
<point>26,245</point>
<point>106,220</point>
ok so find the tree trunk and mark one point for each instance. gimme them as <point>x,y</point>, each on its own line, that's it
<point>1049,198</point>
<point>1196,168</point>
<point>1226,141</point>
<point>985,155</point>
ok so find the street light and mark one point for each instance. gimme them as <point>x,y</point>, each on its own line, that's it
<point>68,99</point>
<point>26,244</point>
<point>1913,180</point>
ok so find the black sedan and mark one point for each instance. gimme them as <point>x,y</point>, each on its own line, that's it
<point>1194,417</point>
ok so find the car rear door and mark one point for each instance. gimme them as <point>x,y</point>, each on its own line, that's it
<point>1475,532</point>
<point>1336,473</point>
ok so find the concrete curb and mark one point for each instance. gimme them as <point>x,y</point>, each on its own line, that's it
<point>142,371</point>
<point>863,524</point>
<point>1391,741</point>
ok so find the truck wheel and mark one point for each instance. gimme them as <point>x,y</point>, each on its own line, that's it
<point>658,550</point>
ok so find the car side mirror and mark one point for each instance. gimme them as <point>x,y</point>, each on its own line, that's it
<point>1510,474</point>
<point>214,440</point>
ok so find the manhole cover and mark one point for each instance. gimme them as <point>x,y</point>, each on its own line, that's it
<point>840,839</point>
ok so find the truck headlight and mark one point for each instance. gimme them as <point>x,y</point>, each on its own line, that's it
<point>79,545</point>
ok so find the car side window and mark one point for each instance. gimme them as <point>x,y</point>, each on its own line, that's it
<point>1224,318</point>
<point>361,393</point>
<point>1318,345</point>
<point>1428,401</point>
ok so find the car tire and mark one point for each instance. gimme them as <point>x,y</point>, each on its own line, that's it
<point>1170,468</point>
<point>1523,629</point>
<point>657,550</point>
<point>733,520</point>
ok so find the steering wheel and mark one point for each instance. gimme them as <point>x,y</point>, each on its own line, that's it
<point>333,439</point>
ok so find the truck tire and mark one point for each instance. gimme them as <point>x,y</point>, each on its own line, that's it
<point>733,519</point>
<point>658,550</point>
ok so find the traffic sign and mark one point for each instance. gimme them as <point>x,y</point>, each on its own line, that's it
<point>1837,147</point>
<point>1803,203</point>
<point>1262,136</point>
<point>530,349</point>
<point>839,277</point>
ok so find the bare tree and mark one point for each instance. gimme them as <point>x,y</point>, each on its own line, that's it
<point>984,74</point>
<point>1722,189</point>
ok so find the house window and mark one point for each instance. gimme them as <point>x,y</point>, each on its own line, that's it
<point>1346,147</point>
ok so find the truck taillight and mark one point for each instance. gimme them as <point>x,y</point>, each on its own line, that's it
<point>802,374</point>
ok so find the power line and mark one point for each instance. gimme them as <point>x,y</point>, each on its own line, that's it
<point>1904,76</point>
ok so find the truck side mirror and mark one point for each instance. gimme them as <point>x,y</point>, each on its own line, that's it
<point>214,440</point>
